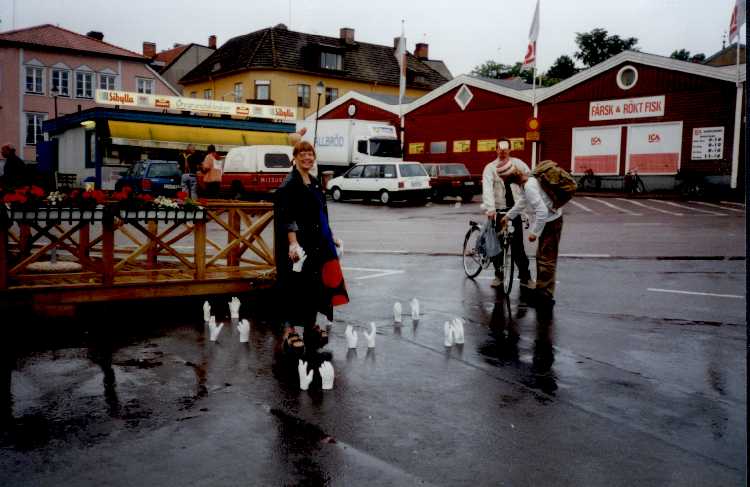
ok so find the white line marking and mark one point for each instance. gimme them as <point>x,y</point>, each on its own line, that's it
<point>378,272</point>
<point>596,256</point>
<point>677,205</point>
<point>716,206</point>
<point>614,207</point>
<point>640,224</point>
<point>732,203</point>
<point>638,203</point>
<point>694,293</point>
<point>584,208</point>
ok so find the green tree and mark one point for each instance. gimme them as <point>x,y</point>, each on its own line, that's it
<point>597,46</point>
<point>492,69</point>
<point>684,55</point>
<point>564,67</point>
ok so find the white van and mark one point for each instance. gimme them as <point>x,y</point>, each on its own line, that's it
<point>255,170</point>
<point>384,181</point>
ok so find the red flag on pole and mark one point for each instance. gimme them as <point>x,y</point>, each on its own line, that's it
<point>529,60</point>
<point>737,20</point>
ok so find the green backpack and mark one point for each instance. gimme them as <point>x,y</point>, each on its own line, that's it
<point>559,185</point>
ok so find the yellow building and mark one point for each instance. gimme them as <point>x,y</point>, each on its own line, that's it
<point>281,67</point>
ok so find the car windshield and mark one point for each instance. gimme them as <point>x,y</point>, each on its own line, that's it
<point>454,170</point>
<point>411,170</point>
<point>163,170</point>
<point>277,160</point>
<point>385,148</point>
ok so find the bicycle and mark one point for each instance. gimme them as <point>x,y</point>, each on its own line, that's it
<point>632,183</point>
<point>474,258</point>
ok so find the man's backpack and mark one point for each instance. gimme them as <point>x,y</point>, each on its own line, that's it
<point>559,185</point>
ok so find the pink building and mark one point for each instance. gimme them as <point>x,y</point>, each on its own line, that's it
<point>47,69</point>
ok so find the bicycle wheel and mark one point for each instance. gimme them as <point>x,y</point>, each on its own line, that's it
<point>472,260</point>
<point>508,265</point>
<point>639,186</point>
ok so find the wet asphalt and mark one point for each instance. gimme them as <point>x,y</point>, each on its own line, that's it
<point>626,383</point>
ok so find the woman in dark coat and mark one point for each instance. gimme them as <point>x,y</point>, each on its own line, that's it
<point>301,226</point>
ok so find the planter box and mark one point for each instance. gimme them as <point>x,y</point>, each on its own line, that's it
<point>163,215</point>
<point>56,214</point>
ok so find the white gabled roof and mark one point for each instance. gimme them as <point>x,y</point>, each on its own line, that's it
<point>360,97</point>
<point>522,95</point>
<point>648,60</point>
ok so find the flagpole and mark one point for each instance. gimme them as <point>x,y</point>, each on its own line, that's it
<point>400,91</point>
<point>533,106</point>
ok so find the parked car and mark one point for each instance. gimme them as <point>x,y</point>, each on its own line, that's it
<point>255,170</point>
<point>384,181</point>
<point>152,177</point>
<point>452,179</point>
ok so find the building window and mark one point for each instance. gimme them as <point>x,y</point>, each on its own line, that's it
<point>144,85</point>
<point>627,77</point>
<point>330,60</point>
<point>193,94</point>
<point>331,94</point>
<point>34,77</point>
<point>107,81</point>
<point>34,134</point>
<point>208,94</point>
<point>303,96</point>
<point>84,84</point>
<point>438,147</point>
<point>238,92</point>
<point>61,81</point>
<point>262,89</point>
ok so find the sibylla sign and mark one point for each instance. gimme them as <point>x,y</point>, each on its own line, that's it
<point>200,105</point>
<point>648,106</point>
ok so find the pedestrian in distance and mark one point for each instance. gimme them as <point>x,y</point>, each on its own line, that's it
<point>546,227</point>
<point>309,276</point>
<point>190,165</point>
<point>498,194</point>
<point>14,170</point>
<point>211,172</point>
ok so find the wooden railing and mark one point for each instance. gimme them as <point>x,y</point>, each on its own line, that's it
<point>232,241</point>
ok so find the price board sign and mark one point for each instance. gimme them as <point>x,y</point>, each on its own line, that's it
<point>708,143</point>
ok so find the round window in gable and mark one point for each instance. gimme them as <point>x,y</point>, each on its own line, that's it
<point>627,77</point>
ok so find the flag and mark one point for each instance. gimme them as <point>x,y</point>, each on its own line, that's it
<point>529,60</point>
<point>737,20</point>
<point>401,58</point>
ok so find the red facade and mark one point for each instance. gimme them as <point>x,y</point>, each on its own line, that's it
<point>364,111</point>
<point>487,116</point>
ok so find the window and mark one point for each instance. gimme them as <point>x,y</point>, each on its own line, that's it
<point>34,134</point>
<point>208,94</point>
<point>362,147</point>
<point>107,81</point>
<point>331,94</point>
<point>238,92</point>
<point>34,77</point>
<point>276,159</point>
<point>372,171</point>
<point>303,96</point>
<point>355,172</point>
<point>330,60</point>
<point>627,77</point>
<point>193,94</point>
<point>389,171</point>
<point>262,89</point>
<point>61,81</point>
<point>410,170</point>
<point>438,147</point>
<point>84,84</point>
<point>144,85</point>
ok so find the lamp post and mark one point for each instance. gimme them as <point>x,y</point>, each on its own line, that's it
<point>55,93</point>
<point>319,90</point>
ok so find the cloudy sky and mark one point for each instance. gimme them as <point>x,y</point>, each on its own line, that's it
<point>462,33</point>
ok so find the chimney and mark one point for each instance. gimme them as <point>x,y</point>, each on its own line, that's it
<point>95,35</point>
<point>346,34</point>
<point>421,50</point>
<point>149,49</point>
<point>212,41</point>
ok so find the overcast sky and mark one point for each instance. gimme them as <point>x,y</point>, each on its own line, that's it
<point>462,33</point>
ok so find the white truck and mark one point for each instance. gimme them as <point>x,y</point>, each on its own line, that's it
<point>341,143</point>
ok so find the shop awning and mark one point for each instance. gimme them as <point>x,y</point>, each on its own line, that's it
<point>176,135</point>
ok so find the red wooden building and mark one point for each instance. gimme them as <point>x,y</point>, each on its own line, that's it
<point>364,106</point>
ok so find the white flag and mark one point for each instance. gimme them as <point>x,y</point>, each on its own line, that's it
<point>401,58</point>
<point>529,60</point>
<point>737,20</point>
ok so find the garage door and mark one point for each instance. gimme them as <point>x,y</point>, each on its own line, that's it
<point>596,148</point>
<point>654,148</point>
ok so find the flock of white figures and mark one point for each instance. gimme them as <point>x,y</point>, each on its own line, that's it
<point>454,333</point>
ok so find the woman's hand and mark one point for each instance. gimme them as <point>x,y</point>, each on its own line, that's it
<point>294,251</point>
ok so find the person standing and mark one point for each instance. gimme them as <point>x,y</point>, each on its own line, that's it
<point>303,233</point>
<point>546,227</point>
<point>14,171</point>
<point>190,164</point>
<point>211,172</point>
<point>499,195</point>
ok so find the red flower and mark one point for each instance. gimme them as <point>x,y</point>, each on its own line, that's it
<point>10,198</point>
<point>74,194</point>
<point>99,196</point>
<point>145,197</point>
<point>181,195</point>
<point>37,191</point>
<point>86,195</point>
<point>127,189</point>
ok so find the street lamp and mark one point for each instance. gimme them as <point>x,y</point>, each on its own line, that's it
<point>55,93</point>
<point>319,90</point>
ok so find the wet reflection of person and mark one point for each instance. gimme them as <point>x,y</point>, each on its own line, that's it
<point>544,355</point>
<point>100,353</point>
<point>7,364</point>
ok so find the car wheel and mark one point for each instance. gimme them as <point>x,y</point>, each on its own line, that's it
<point>436,196</point>
<point>385,197</point>
<point>337,194</point>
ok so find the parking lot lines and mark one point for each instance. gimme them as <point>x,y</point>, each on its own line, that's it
<point>696,293</point>
<point>711,205</point>
<point>732,203</point>
<point>614,207</point>
<point>377,272</point>
<point>677,205</point>
<point>638,203</point>
<point>583,207</point>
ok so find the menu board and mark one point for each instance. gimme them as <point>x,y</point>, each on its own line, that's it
<point>708,143</point>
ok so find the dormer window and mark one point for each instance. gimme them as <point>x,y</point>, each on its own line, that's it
<point>331,60</point>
